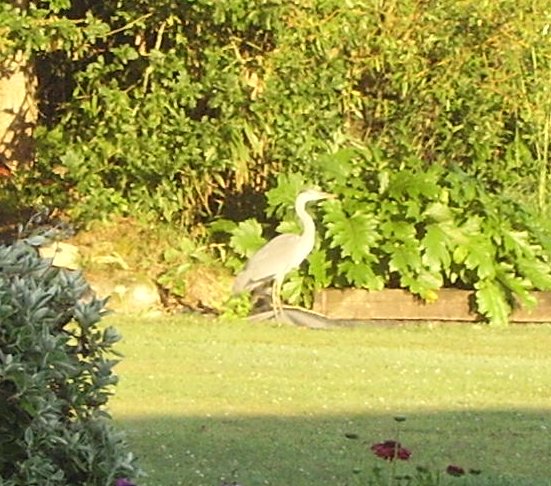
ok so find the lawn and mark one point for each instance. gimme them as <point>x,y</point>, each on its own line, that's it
<point>203,401</point>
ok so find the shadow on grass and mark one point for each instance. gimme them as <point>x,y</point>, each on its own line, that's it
<point>509,447</point>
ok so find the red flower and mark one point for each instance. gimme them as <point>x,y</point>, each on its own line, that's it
<point>455,470</point>
<point>390,450</point>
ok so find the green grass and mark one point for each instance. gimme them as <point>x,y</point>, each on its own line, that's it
<point>203,401</point>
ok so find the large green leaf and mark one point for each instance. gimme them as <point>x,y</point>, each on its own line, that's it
<point>287,226</point>
<point>404,258</point>
<point>425,284</point>
<point>518,243</point>
<point>338,166</point>
<point>355,235</point>
<point>292,289</point>
<point>435,243</point>
<point>247,238</point>
<point>318,268</point>
<point>438,211</point>
<point>281,199</point>
<point>481,257</point>
<point>399,230</point>
<point>492,302</point>
<point>537,271</point>
<point>408,184</point>
<point>477,253</point>
<point>361,275</point>
<point>519,286</point>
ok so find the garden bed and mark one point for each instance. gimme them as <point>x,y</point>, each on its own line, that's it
<point>398,304</point>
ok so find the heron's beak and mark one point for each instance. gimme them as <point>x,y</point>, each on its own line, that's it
<point>328,195</point>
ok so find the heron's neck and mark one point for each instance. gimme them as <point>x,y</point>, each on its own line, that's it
<point>308,227</point>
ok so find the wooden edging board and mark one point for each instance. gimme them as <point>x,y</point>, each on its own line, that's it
<point>398,304</point>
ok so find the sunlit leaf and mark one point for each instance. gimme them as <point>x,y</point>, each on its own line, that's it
<point>318,268</point>
<point>337,166</point>
<point>399,230</point>
<point>404,258</point>
<point>518,242</point>
<point>287,226</point>
<point>291,290</point>
<point>537,271</point>
<point>477,253</point>
<point>282,197</point>
<point>406,184</point>
<point>354,235</point>
<point>413,209</point>
<point>247,238</point>
<point>481,257</point>
<point>425,284</point>
<point>438,211</point>
<point>492,302</point>
<point>222,225</point>
<point>361,275</point>
<point>518,285</point>
<point>436,254</point>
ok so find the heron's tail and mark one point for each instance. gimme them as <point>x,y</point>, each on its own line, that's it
<point>240,283</point>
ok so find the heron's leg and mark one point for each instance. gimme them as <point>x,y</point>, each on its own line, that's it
<point>276,299</point>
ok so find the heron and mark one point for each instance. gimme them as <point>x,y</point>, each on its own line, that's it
<point>282,254</point>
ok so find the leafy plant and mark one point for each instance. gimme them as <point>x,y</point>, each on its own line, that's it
<point>179,260</point>
<point>56,376</point>
<point>421,230</point>
<point>178,111</point>
<point>191,276</point>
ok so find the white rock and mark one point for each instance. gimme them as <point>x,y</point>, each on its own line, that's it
<point>63,255</point>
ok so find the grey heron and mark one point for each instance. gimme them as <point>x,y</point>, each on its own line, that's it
<point>285,252</point>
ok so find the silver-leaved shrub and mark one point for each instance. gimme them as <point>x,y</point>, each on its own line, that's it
<point>56,375</point>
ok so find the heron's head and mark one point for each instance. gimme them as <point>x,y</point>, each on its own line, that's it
<point>313,195</point>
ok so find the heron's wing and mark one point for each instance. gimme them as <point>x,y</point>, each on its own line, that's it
<point>273,260</point>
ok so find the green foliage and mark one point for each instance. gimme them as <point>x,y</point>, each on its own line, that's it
<point>179,260</point>
<point>237,307</point>
<point>247,238</point>
<point>165,108</point>
<point>191,276</point>
<point>55,377</point>
<point>420,229</point>
<point>175,110</point>
<point>426,228</point>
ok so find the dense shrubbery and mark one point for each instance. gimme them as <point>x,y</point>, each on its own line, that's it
<point>176,108</point>
<point>179,110</point>
<point>415,229</point>
<point>55,378</point>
